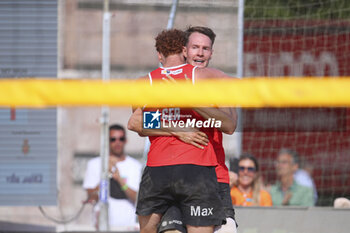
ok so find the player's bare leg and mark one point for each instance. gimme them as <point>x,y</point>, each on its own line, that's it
<point>200,229</point>
<point>148,224</point>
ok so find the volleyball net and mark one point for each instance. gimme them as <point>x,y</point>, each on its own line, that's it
<point>252,92</point>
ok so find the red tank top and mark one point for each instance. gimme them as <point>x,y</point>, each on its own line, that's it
<point>221,169</point>
<point>176,151</point>
<point>169,150</point>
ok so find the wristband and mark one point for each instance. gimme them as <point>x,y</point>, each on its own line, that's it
<point>125,187</point>
<point>113,169</point>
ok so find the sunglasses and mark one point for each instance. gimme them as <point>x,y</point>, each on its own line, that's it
<point>122,139</point>
<point>249,169</point>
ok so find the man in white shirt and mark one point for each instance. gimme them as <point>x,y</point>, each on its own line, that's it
<point>125,174</point>
<point>304,178</point>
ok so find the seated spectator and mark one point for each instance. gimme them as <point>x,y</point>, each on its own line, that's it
<point>248,191</point>
<point>303,176</point>
<point>287,191</point>
<point>341,202</point>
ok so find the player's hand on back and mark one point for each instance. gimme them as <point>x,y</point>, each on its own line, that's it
<point>195,138</point>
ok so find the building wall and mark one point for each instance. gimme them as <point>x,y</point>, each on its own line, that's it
<point>133,28</point>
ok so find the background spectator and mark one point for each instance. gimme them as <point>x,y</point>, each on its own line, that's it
<point>303,176</point>
<point>341,202</point>
<point>125,174</point>
<point>248,191</point>
<point>287,191</point>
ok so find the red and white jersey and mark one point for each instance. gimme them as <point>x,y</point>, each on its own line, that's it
<point>169,150</point>
<point>221,169</point>
<point>176,72</point>
<point>172,151</point>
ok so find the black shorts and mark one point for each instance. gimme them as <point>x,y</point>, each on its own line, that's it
<point>172,219</point>
<point>193,188</point>
<point>224,191</point>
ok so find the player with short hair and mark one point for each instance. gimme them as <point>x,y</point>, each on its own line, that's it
<point>199,49</point>
<point>199,43</point>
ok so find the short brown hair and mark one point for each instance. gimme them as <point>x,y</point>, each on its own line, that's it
<point>170,42</point>
<point>203,30</point>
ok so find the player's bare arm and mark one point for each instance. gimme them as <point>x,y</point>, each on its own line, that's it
<point>228,116</point>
